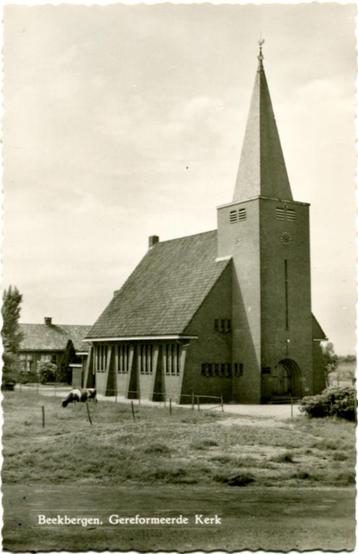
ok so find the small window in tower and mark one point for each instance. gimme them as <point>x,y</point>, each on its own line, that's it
<point>236,369</point>
<point>217,370</point>
<point>233,216</point>
<point>290,215</point>
<point>209,370</point>
<point>241,369</point>
<point>280,214</point>
<point>266,371</point>
<point>242,214</point>
<point>227,325</point>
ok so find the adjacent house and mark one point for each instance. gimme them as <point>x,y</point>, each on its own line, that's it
<point>226,312</point>
<point>46,342</point>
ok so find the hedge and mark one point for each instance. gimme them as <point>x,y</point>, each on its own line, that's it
<point>334,401</point>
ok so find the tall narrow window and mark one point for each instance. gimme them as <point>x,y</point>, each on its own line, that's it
<point>146,358</point>
<point>286,294</point>
<point>171,359</point>
<point>100,358</point>
<point>121,358</point>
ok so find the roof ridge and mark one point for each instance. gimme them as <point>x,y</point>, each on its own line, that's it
<point>188,236</point>
<point>58,324</point>
<point>164,290</point>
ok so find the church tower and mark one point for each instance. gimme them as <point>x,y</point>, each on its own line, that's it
<point>266,233</point>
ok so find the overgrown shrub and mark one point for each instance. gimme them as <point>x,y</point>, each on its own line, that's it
<point>334,401</point>
<point>28,377</point>
<point>47,372</point>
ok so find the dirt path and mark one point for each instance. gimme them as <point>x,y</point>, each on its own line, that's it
<point>251,518</point>
<point>261,411</point>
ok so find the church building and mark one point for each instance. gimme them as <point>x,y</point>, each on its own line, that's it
<point>226,312</point>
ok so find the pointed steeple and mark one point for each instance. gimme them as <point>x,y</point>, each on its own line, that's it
<point>262,170</point>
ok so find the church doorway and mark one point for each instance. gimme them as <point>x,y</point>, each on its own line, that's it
<point>281,382</point>
<point>287,379</point>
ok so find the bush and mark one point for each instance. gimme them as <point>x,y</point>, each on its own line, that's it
<point>47,372</point>
<point>334,401</point>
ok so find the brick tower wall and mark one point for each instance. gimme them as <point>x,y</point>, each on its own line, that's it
<point>286,320</point>
<point>240,238</point>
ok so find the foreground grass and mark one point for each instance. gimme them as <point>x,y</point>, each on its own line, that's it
<point>185,448</point>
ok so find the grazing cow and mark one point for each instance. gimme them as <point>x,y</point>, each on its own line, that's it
<point>88,394</point>
<point>79,395</point>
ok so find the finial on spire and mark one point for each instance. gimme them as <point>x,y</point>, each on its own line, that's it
<point>260,57</point>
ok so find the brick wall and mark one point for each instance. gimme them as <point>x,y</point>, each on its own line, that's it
<point>286,319</point>
<point>211,346</point>
<point>241,239</point>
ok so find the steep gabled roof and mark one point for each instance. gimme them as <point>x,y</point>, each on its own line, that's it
<point>262,169</point>
<point>39,336</point>
<point>164,291</point>
<point>317,331</point>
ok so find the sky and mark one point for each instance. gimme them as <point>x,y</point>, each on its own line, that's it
<point>122,122</point>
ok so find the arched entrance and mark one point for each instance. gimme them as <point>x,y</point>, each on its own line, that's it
<point>287,379</point>
<point>282,381</point>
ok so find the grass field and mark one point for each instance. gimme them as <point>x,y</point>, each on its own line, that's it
<point>185,448</point>
<point>276,485</point>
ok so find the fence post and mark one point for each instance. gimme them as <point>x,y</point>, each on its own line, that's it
<point>133,414</point>
<point>291,406</point>
<point>43,415</point>
<point>88,413</point>
<point>198,402</point>
<point>170,406</point>
<point>192,401</point>
<point>222,402</point>
<point>55,387</point>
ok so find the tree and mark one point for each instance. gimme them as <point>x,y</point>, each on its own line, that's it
<point>64,373</point>
<point>11,334</point>
<point>330,359</point>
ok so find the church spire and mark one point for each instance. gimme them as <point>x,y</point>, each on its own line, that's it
<point>262,170</point>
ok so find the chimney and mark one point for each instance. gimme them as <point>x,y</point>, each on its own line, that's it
<point>48,320</point>
<point>152,241</point>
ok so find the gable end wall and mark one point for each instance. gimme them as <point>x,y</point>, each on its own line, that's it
<point>211,346</point>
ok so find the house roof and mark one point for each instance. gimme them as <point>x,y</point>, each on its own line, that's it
<point>164,291</point>
<point>39,336</point>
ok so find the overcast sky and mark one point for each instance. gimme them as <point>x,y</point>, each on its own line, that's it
<point>126,121</point>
